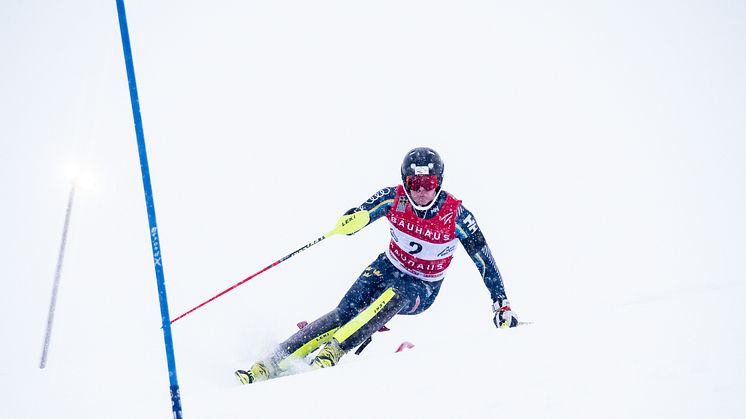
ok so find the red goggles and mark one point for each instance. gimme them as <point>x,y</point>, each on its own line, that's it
<point>414,183</point>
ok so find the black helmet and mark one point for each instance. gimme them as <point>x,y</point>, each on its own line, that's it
<point>422,161</point>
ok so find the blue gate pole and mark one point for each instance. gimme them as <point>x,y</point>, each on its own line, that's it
<point>155,242</point>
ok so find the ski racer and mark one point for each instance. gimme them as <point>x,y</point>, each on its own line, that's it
<point>426,223</point>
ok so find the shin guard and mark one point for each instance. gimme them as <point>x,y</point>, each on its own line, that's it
<point>306,340</point>
<point>368,321</point>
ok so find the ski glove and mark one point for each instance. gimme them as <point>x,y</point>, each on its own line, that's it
<point>348,212</point>
<point>504,316</point>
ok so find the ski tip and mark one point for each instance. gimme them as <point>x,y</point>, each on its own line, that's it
<point>404,345</point>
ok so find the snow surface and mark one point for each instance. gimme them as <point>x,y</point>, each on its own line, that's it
<point>601,146</point>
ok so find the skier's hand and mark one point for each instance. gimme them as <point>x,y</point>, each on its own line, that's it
<point>348,212</point>
<point>504,316</point>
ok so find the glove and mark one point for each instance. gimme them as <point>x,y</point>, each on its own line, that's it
<point>348,212</point>
<point>504,316</point>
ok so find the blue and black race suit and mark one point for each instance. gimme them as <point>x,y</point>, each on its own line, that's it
<point>411,295</point>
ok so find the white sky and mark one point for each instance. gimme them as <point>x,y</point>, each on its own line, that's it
<point>601,146</point>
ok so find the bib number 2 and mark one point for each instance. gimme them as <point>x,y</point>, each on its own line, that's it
<point>416,248</point>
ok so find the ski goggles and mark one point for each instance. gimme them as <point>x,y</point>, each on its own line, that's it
<point>414,183</point>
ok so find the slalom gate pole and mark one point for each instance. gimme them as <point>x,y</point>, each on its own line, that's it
<point>57,275</point>
<point>348,224</point>
<point>154,239</point>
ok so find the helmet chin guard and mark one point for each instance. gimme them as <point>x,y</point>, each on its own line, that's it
<point>422,208</point>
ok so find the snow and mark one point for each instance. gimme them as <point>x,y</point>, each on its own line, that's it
<point>600,146</point>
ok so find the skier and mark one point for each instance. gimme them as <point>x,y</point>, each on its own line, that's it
<point>426,223</point>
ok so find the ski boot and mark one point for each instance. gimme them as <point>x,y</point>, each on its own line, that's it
<point>260,371</point>
<point>328,356</point>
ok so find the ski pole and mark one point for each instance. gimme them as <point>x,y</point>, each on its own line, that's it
<point>346,225</point>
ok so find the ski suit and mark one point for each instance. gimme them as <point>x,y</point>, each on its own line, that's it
<point>406,278</point>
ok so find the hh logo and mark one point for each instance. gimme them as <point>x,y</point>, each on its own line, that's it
<point>471,223</point>
<point>446,218</point>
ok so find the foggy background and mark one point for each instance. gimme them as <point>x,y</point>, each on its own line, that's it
<point>600,146</point>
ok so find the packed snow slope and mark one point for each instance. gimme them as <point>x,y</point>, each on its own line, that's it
<point>600,146</point>
<point>649,358</point>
